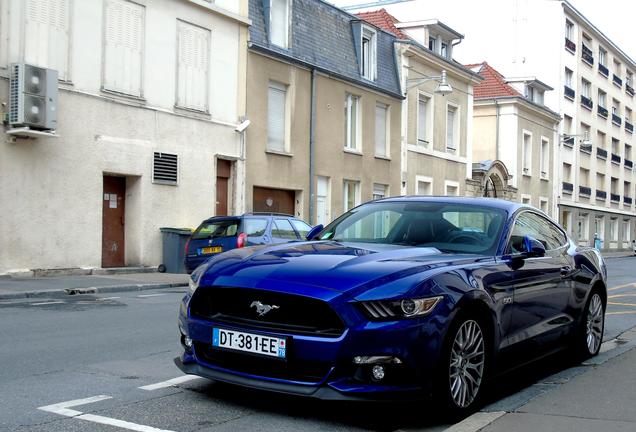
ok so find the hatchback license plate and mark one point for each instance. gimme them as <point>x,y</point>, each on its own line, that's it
<point>249,342</point>
<point>211,250</point>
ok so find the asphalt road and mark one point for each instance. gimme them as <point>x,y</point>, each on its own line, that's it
<point>100,350</point>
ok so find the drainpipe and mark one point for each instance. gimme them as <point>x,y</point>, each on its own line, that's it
<point>312,144</point>
<point>497,131</point>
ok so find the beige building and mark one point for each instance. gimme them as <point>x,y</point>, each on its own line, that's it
<point>512,125</point>
<point>437,113</point>
<point>325,123</point>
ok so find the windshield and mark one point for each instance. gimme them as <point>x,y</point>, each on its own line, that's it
<point>449,227</point>
<point>219,228</point>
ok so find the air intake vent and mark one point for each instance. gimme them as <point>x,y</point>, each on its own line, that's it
<point>14,95</point>
<point>165,168</point>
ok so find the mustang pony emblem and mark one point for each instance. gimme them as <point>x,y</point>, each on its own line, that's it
<point>262,309</point>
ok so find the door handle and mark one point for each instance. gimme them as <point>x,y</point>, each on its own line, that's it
<point>566,271</point>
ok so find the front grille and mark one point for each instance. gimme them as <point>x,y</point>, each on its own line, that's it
<point>290,369</point>
<point>295,314</point>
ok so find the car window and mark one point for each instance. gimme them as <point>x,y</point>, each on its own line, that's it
<point>254,227</point>
<point>537,227</point>
<point>214,229</point>
<point>302,228</point>
<point>283,229</point>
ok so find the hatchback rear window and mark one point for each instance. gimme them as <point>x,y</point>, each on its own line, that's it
<point>214,229</point>
<point>254,227</point>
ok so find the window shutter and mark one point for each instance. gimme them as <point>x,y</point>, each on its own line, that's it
<point>276,97</point>
<point>46,39</point>
<point>123,46</point>
<point>193,64</point>
<point>165,168</point>
<point>380,130</point>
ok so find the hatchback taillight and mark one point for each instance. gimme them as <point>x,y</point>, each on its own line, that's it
<point>187,246</point>
<point>241,240</point>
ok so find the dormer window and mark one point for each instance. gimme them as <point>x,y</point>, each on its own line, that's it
<point>444,50</point>
<point>279,23</point>
<point>534,94</point>
<point>431,43</point>
<point>368,53</point>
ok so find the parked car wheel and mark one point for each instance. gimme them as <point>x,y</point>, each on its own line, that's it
<point>464,365</point>
<point>590,334</point>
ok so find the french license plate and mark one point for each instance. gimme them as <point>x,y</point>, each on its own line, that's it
<point>210,250</point>
<point>249,342</point>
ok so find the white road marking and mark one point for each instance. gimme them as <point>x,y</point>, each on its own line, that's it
<point>63,408</point>
<point>47,303</point>
<point>107,298</point>
<point>150,295</point>
<point>170,382</point>
<point>629,285</point>
<point>475,422</point>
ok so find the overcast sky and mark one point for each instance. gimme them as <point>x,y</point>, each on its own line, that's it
<point>615,18</point>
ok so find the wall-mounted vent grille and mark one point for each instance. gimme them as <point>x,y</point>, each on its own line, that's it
<point>165,168</point>
<point>14,95</point>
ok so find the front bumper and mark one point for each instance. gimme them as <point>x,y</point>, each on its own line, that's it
<point>416,343</point>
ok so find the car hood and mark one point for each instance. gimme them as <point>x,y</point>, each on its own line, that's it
<point>331,266</point>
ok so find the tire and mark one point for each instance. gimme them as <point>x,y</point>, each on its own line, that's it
<point>161,268</point>
<point>462,371</point>
<point>589,335</point>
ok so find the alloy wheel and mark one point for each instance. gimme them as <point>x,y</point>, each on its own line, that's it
<point>594,328</point>
<point>467,359</point>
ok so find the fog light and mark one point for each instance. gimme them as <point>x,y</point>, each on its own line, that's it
<point>376,359</point>
<point>378,372</point>
<point>187,342</point>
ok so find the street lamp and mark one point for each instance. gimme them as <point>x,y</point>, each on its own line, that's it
<point>443,87</point>
<point>586,142</point>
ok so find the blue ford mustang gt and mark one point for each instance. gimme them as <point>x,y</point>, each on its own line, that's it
<point>398,297</point>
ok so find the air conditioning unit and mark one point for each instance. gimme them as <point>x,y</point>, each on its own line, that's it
<point>33,97</point>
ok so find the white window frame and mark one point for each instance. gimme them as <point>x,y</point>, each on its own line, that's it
<point>353,142</point>
<point>569,30</point>
<point>586,88</point>
<point>602,56</point>
<point>368,64</point>
<point>426,180</point>
<point>444,50</point>
<point>434,40</point>
<point>456,129</point>
<point>277,86</point>
<point>525,199</point>
<point>451,183</point>
<point>427,140</point>
<point>526,156</point>
<point>544,200</point>
<point>583,227</point>
<point>544,159</point>
<point>345,194</point>
<point>613,234</point>
<point>569,74</point>
<point>387,130</point>
<point>286,43</point>
<point>377,187</point>
<point>626,237</point>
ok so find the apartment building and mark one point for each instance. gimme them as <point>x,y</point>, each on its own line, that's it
<point>324,99</point>
<point>514,127</point>
<point>150,94</point>
<point>593,81</point>
<point>437,116</point>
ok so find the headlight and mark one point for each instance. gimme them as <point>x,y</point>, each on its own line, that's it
<point>406,308</point>
<point>192,285</point>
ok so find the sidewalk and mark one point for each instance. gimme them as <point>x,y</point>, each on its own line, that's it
<point>11,288</point>
<point>600,395</point>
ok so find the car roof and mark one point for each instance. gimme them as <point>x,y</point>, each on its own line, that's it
<point>508,206</point>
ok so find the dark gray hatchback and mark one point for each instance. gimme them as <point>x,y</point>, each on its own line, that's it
<point>222,233</point>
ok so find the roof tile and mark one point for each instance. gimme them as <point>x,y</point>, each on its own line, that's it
<point>494,84</point>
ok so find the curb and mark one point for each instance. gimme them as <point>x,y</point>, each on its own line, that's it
<point>90,290</point>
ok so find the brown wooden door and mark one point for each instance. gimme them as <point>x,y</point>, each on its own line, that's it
<point>113,211</point>
<point>273,200</point>
<point>223,169</point>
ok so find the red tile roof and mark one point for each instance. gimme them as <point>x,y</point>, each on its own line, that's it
<point>494,84</point>
<point>384,20</point>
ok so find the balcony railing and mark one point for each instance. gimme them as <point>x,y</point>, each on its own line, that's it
<point>628,164</point>
<point>570,45</point>
<point>568,141</point>
<point>568,187</point>
<point>629,89</point>
<point>603,70</point>
<point>627,200</point>
<point>569,92</point>
<point>601,195</point>
<point>629,127</point>
<point>587,102</point>
<point>617,80</point>
<point>616,158</point>
<point>585,191</point>
<point>617,120</point>
<point>601,153</point>
<point>602,111</point>
<point>615,197</point>
<point>586,55</point>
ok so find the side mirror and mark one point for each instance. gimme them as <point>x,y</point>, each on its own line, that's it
<point>532,248</point>
<point>314,232</point>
